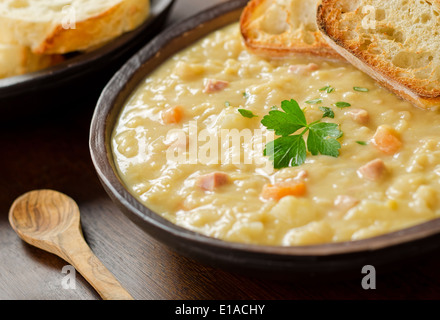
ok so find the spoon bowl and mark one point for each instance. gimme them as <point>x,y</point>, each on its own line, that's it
<point>41,215</point>
<point>50,220</point>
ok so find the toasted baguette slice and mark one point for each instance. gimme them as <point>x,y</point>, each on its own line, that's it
<point>279,28</point>
<point>61,26</point>
<point>396,42</point>
<point>16,60</point>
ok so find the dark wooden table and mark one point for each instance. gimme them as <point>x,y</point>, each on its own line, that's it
<point>51,151</point>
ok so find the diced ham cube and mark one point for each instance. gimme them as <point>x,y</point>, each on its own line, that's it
<point>373,170</point>
<point>303,69</point>
<point>213,85</point>
<point>361,116</point>
<point>212,181</point>
<point>345,202</point>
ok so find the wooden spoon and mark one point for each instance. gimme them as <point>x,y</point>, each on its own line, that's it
<point>50,221</point>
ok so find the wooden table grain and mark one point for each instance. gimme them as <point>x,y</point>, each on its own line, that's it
<point>50,151</point>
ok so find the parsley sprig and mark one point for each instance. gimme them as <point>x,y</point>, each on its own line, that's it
<point>291,149</point>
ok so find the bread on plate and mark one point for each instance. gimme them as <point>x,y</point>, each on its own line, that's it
<point>62,26</point>
<point>17,60</point>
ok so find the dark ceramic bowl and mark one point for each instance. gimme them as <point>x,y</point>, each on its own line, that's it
<point>327,261</point>
<point>81,73</point>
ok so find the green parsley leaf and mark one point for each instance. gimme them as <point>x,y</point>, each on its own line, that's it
<point>342,104</point>
<point>328,112</point>
<point>362,143</point>
<point>328,89</point>
<point>315,101</point>
<point>360,89</point>
<point>288,122</point>
<point>322,139</point>
<point>246,95</point>
<point>287,151</point>
<point>247,113</point>
<point>291,150</point>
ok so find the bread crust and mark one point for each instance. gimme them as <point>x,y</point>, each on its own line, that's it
<point>280,45</point>
<point>95,30</point>
<point>408,89</point>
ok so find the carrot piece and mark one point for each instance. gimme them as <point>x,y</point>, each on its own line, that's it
<point>282,189</point>
<point>172,115</point>
<point>386,140</point>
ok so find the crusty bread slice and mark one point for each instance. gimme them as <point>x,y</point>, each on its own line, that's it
<point>395,41</point>
<point>16,60</point>
<point>278,28</point>
<point>61,26</point>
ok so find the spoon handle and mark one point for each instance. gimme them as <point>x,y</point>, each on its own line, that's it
<point>80,256</point>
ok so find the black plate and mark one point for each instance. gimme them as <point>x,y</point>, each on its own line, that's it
<point>80,74</point>
<point>323,262</point>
